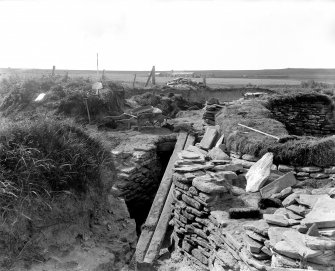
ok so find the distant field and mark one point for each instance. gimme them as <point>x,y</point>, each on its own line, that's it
<point>128,77</point>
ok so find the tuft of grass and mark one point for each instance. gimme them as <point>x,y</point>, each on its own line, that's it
<point>41,159</point>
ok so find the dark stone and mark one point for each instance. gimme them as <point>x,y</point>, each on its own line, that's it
<point>244,212</point>
<point>268,202</point>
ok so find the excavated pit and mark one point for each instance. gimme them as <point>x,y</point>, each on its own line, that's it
<point>139,174</point>
<point>139,209</point>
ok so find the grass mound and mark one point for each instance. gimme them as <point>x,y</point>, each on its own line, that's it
<point>66,96</point>
<point>42,159</point>
<point>50,175</point>
<point>255,113</point>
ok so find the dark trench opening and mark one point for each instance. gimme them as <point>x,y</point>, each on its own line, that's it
<point>139,208</point>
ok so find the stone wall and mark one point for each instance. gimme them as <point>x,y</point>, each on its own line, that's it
<point>139,171</point>
<point>218,226</point>
<point>306,118</point>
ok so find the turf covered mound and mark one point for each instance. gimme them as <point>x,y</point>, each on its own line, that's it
<point>304,150</point>
<point>63,96</point>
<point>54,185</point>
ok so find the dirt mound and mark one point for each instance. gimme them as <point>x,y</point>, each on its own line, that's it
<point>55,205</point>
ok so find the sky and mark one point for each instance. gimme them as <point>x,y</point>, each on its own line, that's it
<point>170,34</point>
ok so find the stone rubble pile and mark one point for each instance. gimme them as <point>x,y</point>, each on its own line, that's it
<point>299,233</point>
<point>185,83</point>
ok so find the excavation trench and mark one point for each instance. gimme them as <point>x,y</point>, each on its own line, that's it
<point>139,183</point>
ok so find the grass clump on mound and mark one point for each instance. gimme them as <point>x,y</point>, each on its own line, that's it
<point>302,151</point>
<point>296,98</point>
<point>42,159</point>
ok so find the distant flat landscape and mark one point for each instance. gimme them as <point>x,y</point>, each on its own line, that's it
<point>215,78</point>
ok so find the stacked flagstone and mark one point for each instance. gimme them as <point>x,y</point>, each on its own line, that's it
<point>139,169</point>
<point>211,109</point>
<point>203,178</point>
<point>206,227</point>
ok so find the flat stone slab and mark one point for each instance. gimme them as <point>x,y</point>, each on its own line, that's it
<point>253,246</point>
<point>276,234</point>
<point>298,242</point>
<point>298,209</point>
<point>245,164</point>
<point>217,154</point>
<point>189,155</point>
<point>209,185</point>
<point>309,169</point>
<point>278,185</point>
<point>258,226</point>
<point>197,150</point>
<point>290,199</point>
<point>255,236</point>
<point>322,214</point>
<point>278,220</point>
<point>209,138</point>
<point>259,172</point>
<point>287,213</point>
<point>225,175</point>
<point>191,168</point>
<point>310,200</point>
<point>228,167</point>
<point>284,168</point>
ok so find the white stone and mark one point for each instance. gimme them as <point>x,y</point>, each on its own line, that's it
<point>259,172</point>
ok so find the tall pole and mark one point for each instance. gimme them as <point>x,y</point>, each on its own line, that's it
<point>153,75</point>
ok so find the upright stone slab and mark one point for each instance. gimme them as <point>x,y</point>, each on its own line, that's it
<point>322,214</point>
<point>278,185</point>
<point>259,172</point>
<point>209,138</point>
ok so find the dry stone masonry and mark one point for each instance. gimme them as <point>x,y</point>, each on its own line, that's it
<point>138,173</point>
<point>283,224</point>
<point>306,118</point>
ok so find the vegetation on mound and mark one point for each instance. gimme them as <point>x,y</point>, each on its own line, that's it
<point>48,170</point>
<point>41,159</point>
<point>295,151</point>
<point>301,97</point>
<point>64,95</point>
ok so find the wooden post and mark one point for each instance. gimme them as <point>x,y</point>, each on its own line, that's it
<point>153,71</point>
<point>53,71</point>
<point>134,80</point>
<point>88,111</point>
<point>146,84</point>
